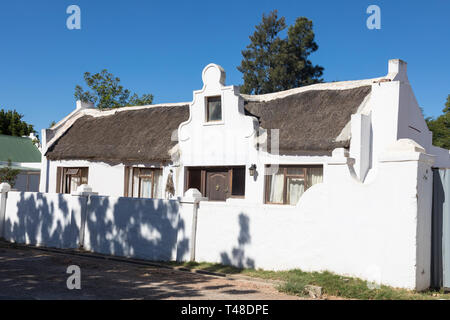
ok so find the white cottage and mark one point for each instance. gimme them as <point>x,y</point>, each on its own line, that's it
<point>259,149</point>
<point>332,176</point>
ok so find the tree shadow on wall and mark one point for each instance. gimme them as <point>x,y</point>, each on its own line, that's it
<point>139,228</point>
<point>35,222</point>
<point>129,227</point>
<point>238,257</point>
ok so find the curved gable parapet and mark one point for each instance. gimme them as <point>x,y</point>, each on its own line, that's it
<point>225,139</point>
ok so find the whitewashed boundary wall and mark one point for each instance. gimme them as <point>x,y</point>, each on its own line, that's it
<point>139,228</point>
<point>41,219</point>
<point>379,230</point>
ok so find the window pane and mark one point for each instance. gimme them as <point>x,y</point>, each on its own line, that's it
<point>295,170</point>
<point>146,172</point>
<point>135,183</point>
<point>238,183</point>
<point>66,184</point>
<point>315,175</point>
<point>295,189</point>
<point>195,179</point>
<point>71,171</point>
<point>84,175</point>
<point>276,185</point>
<point>158,192</point>
<point>146,188</point>
<point>33,182</point>
<point>74,183</point>
<point>214,109</point>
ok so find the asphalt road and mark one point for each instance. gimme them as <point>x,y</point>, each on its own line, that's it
<point>27,273</point>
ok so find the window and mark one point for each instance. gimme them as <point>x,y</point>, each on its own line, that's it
<point>290,182</point>
<point>213,109</point>
<point>238,182</point>
<point>195,180</point>
<point>27,181</point>
<point>143,183</point>
<point>69,179</point>
<point>217,183</point>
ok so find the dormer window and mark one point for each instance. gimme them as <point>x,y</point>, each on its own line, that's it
<point>213,109</point>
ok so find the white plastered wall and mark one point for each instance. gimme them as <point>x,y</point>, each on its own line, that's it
<point>412,125</point>
<point>375,231</point>
<point>228,142</point>
<point>390,113</point>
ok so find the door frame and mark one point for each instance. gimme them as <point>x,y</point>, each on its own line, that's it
<point>203,177</point>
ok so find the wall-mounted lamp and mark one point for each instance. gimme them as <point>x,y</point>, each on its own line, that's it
<point>252,170</point>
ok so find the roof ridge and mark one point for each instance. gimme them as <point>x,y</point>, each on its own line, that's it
<point>61,123</point>
<point>108,112</point>
<point>11,136</point>
<point>339,85</point>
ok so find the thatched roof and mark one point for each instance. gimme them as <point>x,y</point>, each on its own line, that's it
<point>135,135</point>
<point>310,121</point>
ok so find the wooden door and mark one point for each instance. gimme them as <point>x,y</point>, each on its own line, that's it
<point>217,185</point>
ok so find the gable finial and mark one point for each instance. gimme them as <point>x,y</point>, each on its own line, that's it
<point>213,74</point>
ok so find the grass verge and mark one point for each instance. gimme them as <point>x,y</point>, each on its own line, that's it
<point>294,282</point>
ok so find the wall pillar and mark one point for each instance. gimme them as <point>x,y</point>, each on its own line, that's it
<point>4,189</point>
<point>83,192</point>
<point>189,203</point>
<point>399,154</point>
<point>361,144</point>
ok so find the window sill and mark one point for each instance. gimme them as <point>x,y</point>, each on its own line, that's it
<point>235,199</point>
<point>280,205</point>
<point>214,123</point>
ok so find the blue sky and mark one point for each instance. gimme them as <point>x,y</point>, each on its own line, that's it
<point>161,47</point>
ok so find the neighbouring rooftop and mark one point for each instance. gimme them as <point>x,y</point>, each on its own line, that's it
<point>18,149</point>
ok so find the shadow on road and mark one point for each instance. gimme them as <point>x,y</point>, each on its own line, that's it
<point>32,274</point>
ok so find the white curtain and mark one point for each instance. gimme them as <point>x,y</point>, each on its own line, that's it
<point>315,175</point>
<point>146,187</point>
<point>276,188</point>
<point>158,192</point>
<point>74,183</point>
<point>135,183</point>
<point>295,188</point>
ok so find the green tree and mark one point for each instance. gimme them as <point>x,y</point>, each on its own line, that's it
<point>8,175</point>
<point>272,63</point>
<point>11,124</point>
<point>108,93</point>
<point>441,127</point>
<point>447,105</point>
